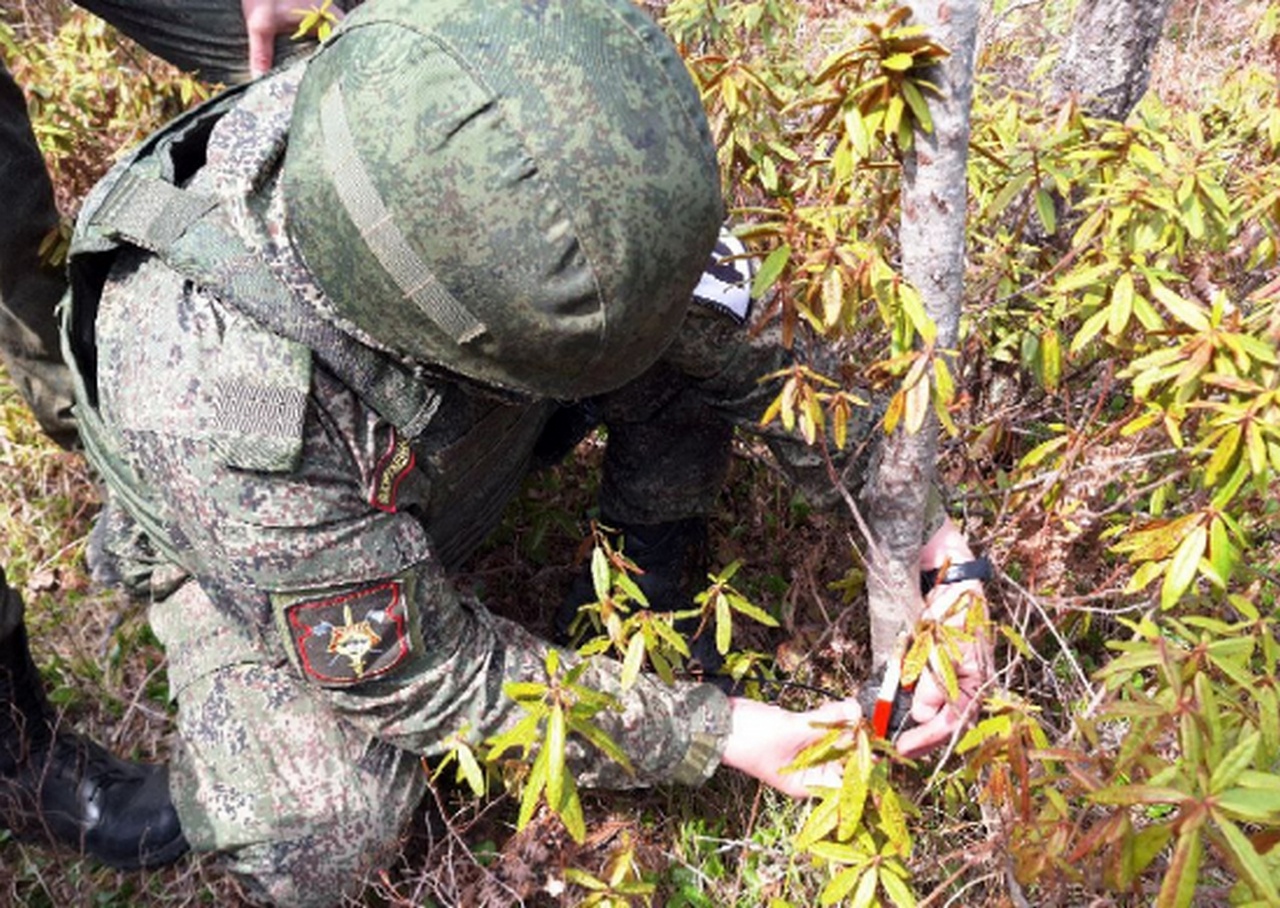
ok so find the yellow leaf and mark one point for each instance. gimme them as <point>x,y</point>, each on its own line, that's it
<point>856,129</point>
<point>1257,447</point>
<point>1224,454</point>
<point>1121,308</point>
<point>1050,359</point>
<point>898,62</point>
<point>634,661</point>
<point>898,890</point>
<point>893,413</point>
<point>853,799</point>
<point>893,114</point>
<point>832,297</point>
<point>1184,310</point>
<point>724,624</point>
<point>1182,568</point>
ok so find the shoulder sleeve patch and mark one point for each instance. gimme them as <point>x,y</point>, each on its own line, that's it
<point>351,637</point>
<point>726,284</point>
<point>394,464</point>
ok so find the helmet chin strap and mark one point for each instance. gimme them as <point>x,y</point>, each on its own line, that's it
<point>369,214</point>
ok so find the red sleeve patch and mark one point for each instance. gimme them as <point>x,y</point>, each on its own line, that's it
<point>354,637</point>
<point>392,468</point>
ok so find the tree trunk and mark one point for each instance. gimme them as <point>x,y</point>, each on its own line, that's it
<point>1106,64</point>
<point>934,197</point>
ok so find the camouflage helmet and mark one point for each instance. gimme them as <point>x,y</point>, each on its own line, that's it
<point>524,192</point>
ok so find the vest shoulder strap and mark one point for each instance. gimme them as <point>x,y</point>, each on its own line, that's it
<point>142,206</point>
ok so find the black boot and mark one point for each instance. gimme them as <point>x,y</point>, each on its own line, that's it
<point>673,556</point>
<point>61,788</point>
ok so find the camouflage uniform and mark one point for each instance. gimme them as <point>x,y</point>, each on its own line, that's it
<point>206,37</point>
<point>297,545</point>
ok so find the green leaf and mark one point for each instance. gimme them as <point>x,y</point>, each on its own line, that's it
<point>1078,280</point>
<point>533,788</point>
<point>632,589</point>
<point>754,612</point>
<point>1043,450</point>
<point>770,270</point>
<point>1268,716</point>
<point>893,114</point>
<point>724,624</point>
<point>1092,326</point>
<point>521,735</point>
<point>839,853</point>
<point>1045,208</point>
<point>919,107</point>
<point>913,308</point>
<point>1260,781</point>
<point>1179,885</point>
<point>1249,862</point>
<point>570,811</point>
<point>600,739</point>
<point>1222,552</point>
<point>893,823</point>
<point>1234,763</point>
<point>1129,795</point>
<point>855,128</point>
<point>1249,805</point>
<point>553,747</point>
<point>670,635</point>
<point>822,820</point>
<point>1146,844</point>
<point>841,885</point>
<point>898,891</point>
<point>525,691</point>
<point>1050,359</point>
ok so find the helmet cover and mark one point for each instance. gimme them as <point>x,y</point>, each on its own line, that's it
<point>524,192</point>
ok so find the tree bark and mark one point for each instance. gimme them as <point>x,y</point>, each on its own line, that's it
<point>932,233</point>
<point>1106,64</point>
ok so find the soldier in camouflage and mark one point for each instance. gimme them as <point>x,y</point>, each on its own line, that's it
<point>55,785</point>
<point>320,328</point>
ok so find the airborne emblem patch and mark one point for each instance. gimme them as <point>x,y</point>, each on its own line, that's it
<point>353,637</point>
<point>392,467</point>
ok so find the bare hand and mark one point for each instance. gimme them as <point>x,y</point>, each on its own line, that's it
<point>766,738</point>
<point>265,19</point>
<point>938,717</point>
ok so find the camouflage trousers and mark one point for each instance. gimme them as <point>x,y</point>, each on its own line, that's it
<point>299,802</point>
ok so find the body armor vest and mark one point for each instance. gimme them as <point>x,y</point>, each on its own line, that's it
<point>142,204</point>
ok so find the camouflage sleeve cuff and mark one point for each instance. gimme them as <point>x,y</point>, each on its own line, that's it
<point>709,723</point>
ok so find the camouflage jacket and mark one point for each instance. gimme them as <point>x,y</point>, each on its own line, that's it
<point>334,545</point>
